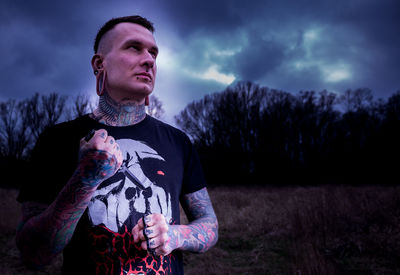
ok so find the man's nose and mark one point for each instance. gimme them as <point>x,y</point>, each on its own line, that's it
<point>148,60</point>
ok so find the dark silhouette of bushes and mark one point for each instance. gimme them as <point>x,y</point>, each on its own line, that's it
<point>256,135</point>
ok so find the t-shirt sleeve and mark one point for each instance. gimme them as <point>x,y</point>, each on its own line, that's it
<point>48,169</point>
<point>32,187</point>
<point>193,179</point>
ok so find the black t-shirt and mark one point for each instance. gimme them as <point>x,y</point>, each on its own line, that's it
<point>160,166</point>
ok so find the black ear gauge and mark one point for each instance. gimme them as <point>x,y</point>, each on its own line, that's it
<point>90,135</point>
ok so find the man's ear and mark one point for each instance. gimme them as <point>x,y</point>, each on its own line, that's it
<point>97,62</point>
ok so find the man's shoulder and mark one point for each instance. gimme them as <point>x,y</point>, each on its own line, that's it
<point>76,122</point>
<point>68,128</point>
<point>163,126</point>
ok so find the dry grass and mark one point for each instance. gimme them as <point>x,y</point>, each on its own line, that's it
<point>291,230</point>
<point>299,230</point>
<point>252,221</point>
<point>10,214</point>
<point>346,230</point>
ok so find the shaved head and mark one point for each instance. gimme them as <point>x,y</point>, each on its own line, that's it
<point>105,32</point>
<point>105,44</point>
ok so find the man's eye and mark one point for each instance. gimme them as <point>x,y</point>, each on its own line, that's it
<point>135,47</point>
<point>153,54</point>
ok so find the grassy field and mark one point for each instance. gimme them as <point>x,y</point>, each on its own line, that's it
<point>266,230</point>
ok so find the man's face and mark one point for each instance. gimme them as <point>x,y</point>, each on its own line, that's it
<point>130,62</point>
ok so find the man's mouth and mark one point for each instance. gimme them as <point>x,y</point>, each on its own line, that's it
<point>144,75</point>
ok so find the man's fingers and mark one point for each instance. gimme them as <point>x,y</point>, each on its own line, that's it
<point>94,136</point>
<point>136,232</point>
<point>147,220</point>
<point>153,234</point>
<point>144,245</point>
<point>102,150</point>
<point>150,232</point>
<point>155,228</point>
<point>120,158</point>
<point>110,140</point>
<point>154,219</point>
<point>158,241</point>
<point>152,246</point>
<point>99,137</point>
<point>154,231</point>
<point>100,140</point>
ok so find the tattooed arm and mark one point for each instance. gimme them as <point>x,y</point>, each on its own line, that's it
<point>198,236</point>
<point>202,231</point>
<point>46,230</point>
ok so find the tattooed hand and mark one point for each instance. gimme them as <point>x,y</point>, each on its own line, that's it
<point>156,230</point>
<point>44,234</point>
<point>198,236</point>
<point>99,158</point>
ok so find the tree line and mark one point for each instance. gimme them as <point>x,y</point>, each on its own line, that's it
<point>255,135</point>
<point>248,134</point>
<point>22,121</point>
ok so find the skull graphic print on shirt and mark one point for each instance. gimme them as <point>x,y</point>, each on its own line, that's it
<point>129,194</point>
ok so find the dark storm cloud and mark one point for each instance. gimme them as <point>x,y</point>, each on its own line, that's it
<point>355,45</point>
<point>188,17</point>
<point>257,58</point>
<point>46,45</point>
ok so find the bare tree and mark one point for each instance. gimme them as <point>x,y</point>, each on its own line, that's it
<point>196,120</point>
<point>155,108</point>
<point>53,106</point>
<point>80,105</point>
<point>13,130</point>
<point>355,100</point>
<point>226,125</point>
<point>255,131</point>
<point>41,112</point>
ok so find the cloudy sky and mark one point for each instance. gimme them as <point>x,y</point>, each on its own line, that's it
<point>46,46</point>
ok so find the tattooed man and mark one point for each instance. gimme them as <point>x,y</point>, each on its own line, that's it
<point>105,188</point>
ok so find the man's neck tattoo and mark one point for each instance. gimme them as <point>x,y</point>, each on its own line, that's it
<point>110,112</point>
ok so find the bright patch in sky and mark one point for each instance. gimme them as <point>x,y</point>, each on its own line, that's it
<point>166,59</point>
<point>336,74</point>
<point>213,74</point>
<point>311,35</point>
<point>226,52</point>
<point>310,38</point>
<point>313,42</point>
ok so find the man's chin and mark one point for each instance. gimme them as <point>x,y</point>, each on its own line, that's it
<point>143,88</point>
<point>135,91</point>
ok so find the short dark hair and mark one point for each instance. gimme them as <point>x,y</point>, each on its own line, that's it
<point>136,19</point>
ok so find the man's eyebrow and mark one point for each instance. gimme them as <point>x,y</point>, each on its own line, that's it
<point>140,43</point>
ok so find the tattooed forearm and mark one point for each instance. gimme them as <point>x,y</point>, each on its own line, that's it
<point>42,236</point>
<point>202,232</point>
